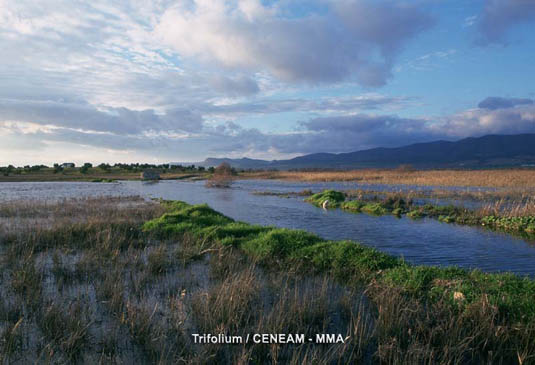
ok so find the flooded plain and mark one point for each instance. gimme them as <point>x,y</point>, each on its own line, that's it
<point>425,241</point>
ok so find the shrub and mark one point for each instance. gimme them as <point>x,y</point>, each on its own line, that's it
<point>222,176</point>
<point>406,168</point>
<point>85,167</point>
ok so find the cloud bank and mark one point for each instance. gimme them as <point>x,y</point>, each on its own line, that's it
<point>337,133</point>
<point>499,16</point>
<point>494,102</point>
<point>342,40</point>
<point>181,80</point>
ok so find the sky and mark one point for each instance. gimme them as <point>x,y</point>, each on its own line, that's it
<point>160,81</point>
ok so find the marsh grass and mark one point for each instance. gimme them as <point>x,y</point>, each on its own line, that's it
<point>27,282</point>
<point>525,207</point>
<point>158,260</point>
<point>65,328</point>
<point>101,285</point>
<point>57,250</point>
<point>253,300</point>
<point>91,286</point>
<point>503,202</point>
<point>11,339</point>
<point>419,314</point>
<point>229,306</point>
<point>192,249</point>
<point>412,331</point>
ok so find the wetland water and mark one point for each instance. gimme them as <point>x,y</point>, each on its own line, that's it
<point>425,241</point>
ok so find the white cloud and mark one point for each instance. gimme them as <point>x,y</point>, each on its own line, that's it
<point>82,116</point>
<point>350,39</point>
<point>429,61</point>
<point>470,21</point>
<point>478,122</point>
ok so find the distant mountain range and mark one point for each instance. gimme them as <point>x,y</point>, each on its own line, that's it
<point>486,151</point>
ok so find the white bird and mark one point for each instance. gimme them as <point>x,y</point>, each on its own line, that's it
<point>325,204</point>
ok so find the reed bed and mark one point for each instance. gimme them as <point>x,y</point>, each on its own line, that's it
<point>504,194</point>
<point>506,178</point>
<point>501,203</point>
<point>507,208</point>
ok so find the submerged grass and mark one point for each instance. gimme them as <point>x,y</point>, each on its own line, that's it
<point>94,287</point>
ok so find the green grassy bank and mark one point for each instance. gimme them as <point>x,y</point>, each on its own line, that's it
<point>458,305</point>
<point>512,296</point>
<point>398,206</point>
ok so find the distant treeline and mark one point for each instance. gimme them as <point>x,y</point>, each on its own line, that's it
<point>139,167</point>
<point>128,167</point>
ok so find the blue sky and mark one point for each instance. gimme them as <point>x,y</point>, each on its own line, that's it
<point>159,81</point>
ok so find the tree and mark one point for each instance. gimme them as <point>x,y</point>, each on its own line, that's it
<point>85,167</point>
<point>104,166</point>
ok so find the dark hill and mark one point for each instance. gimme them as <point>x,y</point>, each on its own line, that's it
<point>486,151</point>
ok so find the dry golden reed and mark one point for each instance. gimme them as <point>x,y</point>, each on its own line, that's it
<point>510,178</point>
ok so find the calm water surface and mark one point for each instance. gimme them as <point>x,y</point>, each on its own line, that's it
<point>423,241</point>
